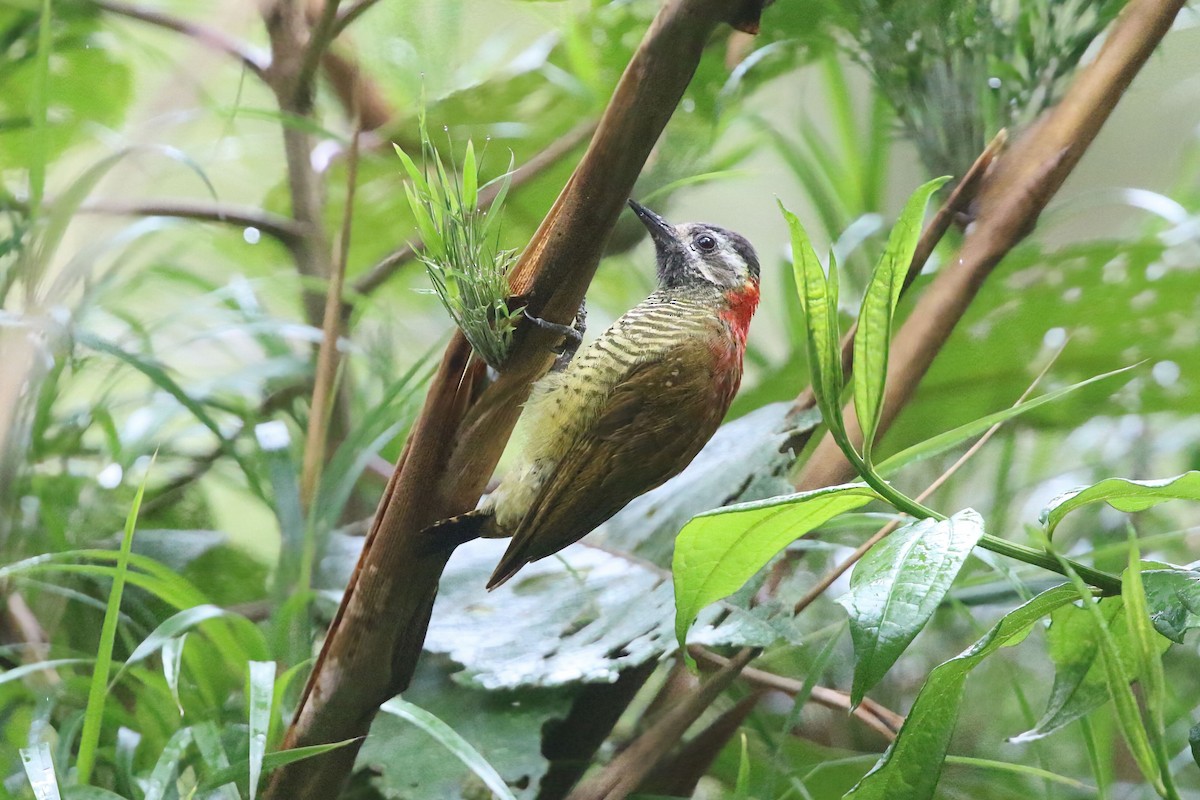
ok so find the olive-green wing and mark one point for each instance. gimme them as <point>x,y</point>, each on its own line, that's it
<point>652,424</point>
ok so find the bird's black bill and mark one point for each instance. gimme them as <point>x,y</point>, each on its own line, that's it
<point>661,231</point>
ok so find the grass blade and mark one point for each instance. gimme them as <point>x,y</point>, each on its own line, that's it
<point>944,441</point>
<point>39,768</point>
<point>168,763</point>
<point>452,741</point>
<point>261,694</point>
<point>89,739</point>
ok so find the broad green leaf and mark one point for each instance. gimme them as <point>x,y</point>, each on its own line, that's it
<point>873,337</point>
<point>1173,600</point>
<point>944,441</point>
<point>718,551</point>
<point>168,762</point>
<point>89,738</point>
<point>819,302</point>
<point>39,768</point>
<point>261,694</point>
<point>1080,682</point>
<point>1128,717</point>
<point>1123,495</point>
<point>1147,647</point>
<point>898,585</point>
<point>912,765</point>
<point>446,736</point>
<point>1194,743</point>
<point>270,763</point>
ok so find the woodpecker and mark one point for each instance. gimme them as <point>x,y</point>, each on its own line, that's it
<point>631,409</point>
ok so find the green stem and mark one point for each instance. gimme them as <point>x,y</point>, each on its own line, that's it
<point>1109,584</point>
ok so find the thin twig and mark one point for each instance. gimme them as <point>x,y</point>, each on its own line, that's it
<point>316,437</point>
<point>828,579</point>
<point>874,715</point>
<point>348,15</point>
<point>253,60</point>
<point>373,278</point>
<point>322,34</point>
<point>287,231</point>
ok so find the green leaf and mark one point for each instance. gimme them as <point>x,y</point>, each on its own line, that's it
<point>415,173</point>
<point>873,337</point>
<point>261,694</point>
<point>89,738</point>
<point>718,551</point>
<point>1194,743</point>
<point>818,299</point>
<point>1147,648</point>
<point>208,742</point>
<point>270,763</point>
<point>944,441</point>
<point>1123,495</point>
<point>446,736</point>
<point>898,585</point>
<point>172,663</point>
<point>912,765</point>
<point>1080,683</point>
<point>1173,600</point>
<point>39,768</point>
<point>168,762</point>
<point>171,628</point>
<point>1118,679</point>
<point>17,673</point>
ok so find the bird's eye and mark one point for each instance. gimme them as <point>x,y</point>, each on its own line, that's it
<point>706,243</point>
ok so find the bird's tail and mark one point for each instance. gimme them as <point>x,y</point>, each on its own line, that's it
<point>449,533</point>
<point>509,565</point>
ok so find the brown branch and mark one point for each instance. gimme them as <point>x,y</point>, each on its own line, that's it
<point>376,637</point>
<point>318,42</point>
<point>1013,197</point>
<point>878,717</point>
<point>554,152</point>
<point>212,38</point>
<point>348,15</point>
<point>287,231</point>
<point>625,773</point>
<point>678,774</point>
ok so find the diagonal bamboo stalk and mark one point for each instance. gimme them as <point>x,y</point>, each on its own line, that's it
<point>372,647</point>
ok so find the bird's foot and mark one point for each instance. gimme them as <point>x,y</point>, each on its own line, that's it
<point>572,334</point>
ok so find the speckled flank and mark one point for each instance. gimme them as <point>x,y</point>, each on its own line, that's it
<point>565,404</point>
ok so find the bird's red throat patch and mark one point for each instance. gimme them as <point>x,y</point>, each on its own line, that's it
<point>742,303</point>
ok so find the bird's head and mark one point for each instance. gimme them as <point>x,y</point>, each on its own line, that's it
<point>696,254</point>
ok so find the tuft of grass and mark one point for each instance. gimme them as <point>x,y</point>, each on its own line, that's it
<point>89,739</point>
<point>460,246</point>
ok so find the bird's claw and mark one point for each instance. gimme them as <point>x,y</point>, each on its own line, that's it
<point>572,334</point>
